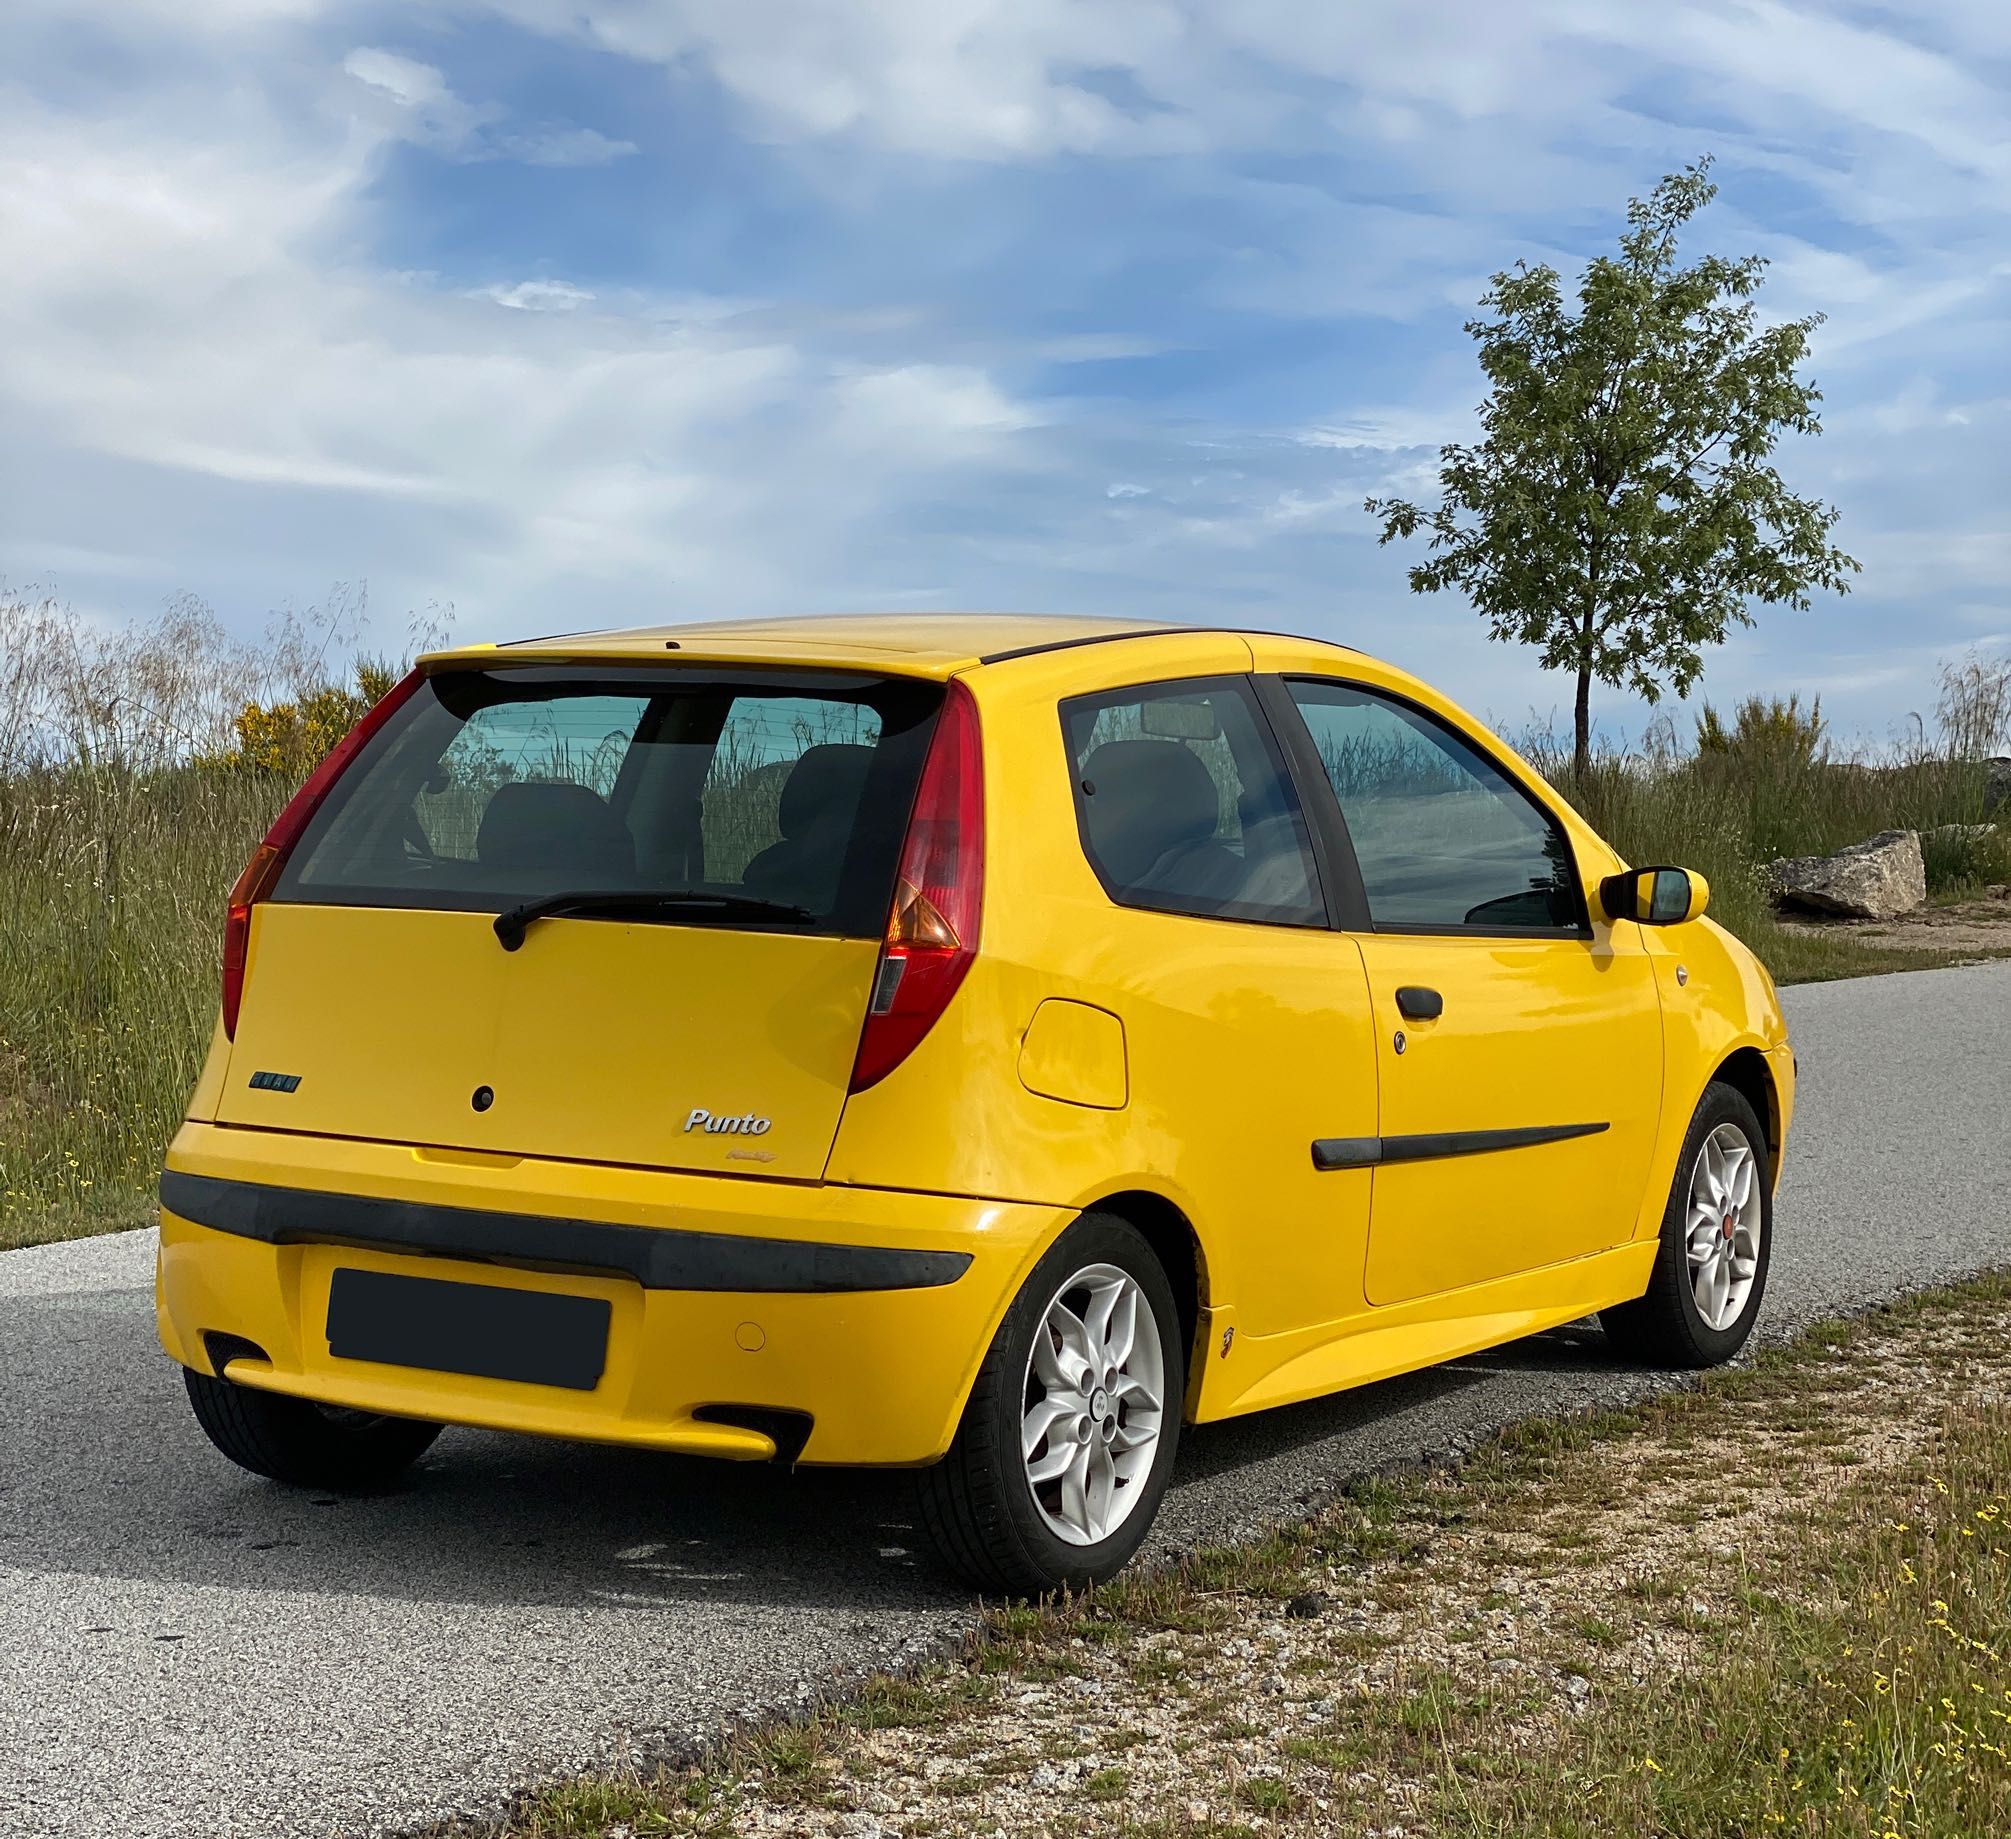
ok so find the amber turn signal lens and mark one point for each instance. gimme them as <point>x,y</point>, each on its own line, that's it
<point>917,920</point>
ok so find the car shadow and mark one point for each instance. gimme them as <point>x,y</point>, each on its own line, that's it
<point>104,1472</point>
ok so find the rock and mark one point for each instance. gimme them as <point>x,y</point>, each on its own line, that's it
<point>1997,787</point>
<point>1880,878</point>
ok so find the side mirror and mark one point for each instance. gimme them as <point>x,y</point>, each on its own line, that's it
<point>1655,896</point>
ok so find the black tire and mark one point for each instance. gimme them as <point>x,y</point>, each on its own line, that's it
<point>303,1444</point>
<point>1663,1327</point>
<point>977,1504</point>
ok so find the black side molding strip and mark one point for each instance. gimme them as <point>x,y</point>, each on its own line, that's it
<point>657,1257</point>
<point>1369,1152</point>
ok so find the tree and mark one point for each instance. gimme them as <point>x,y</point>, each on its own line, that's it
<point>1620,510</point>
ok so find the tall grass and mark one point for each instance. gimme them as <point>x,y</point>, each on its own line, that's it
<point>1730,810</point>
<point>117,846</point>
<point>109,941</point>
<point>1729,818</point>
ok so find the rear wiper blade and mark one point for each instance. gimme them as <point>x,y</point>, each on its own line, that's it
<point>636,904</point>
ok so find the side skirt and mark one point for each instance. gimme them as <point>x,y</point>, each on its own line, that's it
<point>1265,1370</point>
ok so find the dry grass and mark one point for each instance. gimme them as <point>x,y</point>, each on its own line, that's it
<point>1779,1603</point>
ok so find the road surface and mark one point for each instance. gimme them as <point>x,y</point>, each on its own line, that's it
<point>188,1653</point>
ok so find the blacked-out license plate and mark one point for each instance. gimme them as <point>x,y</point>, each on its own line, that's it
<point>474,1328</point>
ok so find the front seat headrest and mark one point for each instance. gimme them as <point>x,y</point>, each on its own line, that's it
<point>820,798</point>
<point>558,828</point>
<point>1144,798</point>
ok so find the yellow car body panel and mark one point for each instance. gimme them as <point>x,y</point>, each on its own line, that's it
<point>576,1013</point>
<point>1174,1067</point>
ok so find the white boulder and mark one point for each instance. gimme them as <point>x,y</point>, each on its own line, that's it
<point>1880,878</point>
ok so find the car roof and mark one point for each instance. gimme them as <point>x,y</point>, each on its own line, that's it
<point>925,644</point>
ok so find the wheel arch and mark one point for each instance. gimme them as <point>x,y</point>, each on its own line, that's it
<point>1174,1241</point>
<point>1746,1071</point>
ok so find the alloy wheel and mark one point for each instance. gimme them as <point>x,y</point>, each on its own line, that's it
<point>1092,1404</point>
<point>1723,1233</point>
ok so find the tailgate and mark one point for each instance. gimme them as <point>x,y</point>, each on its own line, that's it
<point>711,853</point>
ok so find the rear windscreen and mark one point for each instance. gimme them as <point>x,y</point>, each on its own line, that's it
<point>494,787</point>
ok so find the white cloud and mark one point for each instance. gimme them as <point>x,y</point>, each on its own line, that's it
<point>539,296</point>
<point>177,333</point>
<point>415,101</point>
<point>930,406</point>
<point>1396,429</point>
<point>410,84</point>
<point>556,146</point>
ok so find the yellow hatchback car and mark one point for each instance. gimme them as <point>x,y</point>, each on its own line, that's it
<point>969,1044</point>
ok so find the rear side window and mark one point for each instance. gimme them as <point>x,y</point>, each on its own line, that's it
<point>490,788</point>
<point>1184,804</point>
<point>1445,840</point>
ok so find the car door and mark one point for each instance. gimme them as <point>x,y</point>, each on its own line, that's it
<point>1518,1047</point>
<point>1248,1018</point>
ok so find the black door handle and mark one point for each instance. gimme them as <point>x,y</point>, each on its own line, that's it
<point>1417,1004</point>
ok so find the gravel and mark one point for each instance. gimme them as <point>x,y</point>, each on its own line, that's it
<point>186,1653</point>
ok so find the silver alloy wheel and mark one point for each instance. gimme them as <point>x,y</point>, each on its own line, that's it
<point>1723,1232</point>
<point>1091,1404</point>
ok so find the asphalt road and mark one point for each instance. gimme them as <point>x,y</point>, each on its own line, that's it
<point>186,1653</point>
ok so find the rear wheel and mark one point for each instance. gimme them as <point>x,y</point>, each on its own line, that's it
<point>1717,1237</point>
<point>308,1445</point>
<point>1068,1438</point>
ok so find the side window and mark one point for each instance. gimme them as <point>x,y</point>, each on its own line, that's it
<point>1184,805</point>
<point>1444,838</point>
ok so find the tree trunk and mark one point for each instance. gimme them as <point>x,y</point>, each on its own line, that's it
<point>1581,755</point>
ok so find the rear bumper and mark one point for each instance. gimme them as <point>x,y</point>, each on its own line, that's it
<point>865,1311</point>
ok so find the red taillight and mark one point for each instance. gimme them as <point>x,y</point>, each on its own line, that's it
<point>270,856</point>
<point>939,897</point>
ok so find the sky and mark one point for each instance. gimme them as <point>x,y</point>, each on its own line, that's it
<point>561,313</point>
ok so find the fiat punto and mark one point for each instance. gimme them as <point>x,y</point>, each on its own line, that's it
<point>966,1044</point>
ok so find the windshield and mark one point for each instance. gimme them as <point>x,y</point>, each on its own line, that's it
<point>493,788</point>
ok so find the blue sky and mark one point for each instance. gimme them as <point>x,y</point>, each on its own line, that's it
<point>568,312</point>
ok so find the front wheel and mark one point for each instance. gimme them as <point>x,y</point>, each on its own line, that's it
<point>1067,1441</point>
<point>308,1445</point>
<point>1717,1237</point>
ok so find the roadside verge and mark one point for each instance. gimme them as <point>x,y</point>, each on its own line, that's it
<point>1778,1601</point>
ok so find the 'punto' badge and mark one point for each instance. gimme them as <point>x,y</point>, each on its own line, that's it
<point>746,1125</point>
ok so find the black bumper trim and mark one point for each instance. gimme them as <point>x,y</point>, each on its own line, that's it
<point>1432,1146</point>
<point>657,1257</point>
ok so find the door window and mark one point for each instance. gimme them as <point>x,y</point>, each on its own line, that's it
<point>1184,804</point>
<point>1444,838</point>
